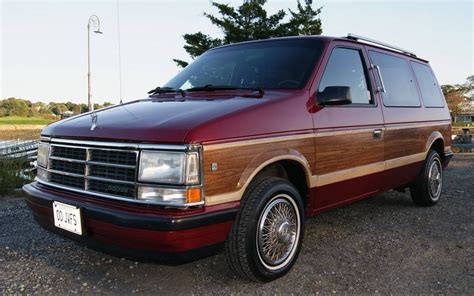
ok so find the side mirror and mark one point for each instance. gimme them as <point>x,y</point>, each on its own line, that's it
<point>335,95</point>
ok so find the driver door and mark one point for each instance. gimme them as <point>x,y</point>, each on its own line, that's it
<point>349,142</point>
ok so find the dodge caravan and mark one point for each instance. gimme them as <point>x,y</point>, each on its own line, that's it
<point>241,147</point>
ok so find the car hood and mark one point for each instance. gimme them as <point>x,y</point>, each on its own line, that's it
<point>152,120</point>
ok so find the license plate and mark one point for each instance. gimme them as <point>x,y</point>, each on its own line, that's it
<point>67,217</point>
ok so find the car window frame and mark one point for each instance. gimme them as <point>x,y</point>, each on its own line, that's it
<point>407,61</point>
<point>370,88</point>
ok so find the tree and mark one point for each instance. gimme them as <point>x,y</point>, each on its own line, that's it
<point>76,109</point>
<point>454,99</point>
<point>250,21</point>
<point>59,108</point>
<point>15,107</point>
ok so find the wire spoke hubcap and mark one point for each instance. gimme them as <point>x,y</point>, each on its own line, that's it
<point>278,232</point>
<point>435,179</point>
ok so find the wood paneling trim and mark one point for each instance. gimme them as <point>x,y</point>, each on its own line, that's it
<point>238,162</point>
<point>212,147</point>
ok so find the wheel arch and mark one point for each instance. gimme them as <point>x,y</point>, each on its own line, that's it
<point>290,165</point>
<point>435,142</point>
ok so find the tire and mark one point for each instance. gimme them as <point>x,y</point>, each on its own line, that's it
<point>426,191</point>
<point>259,227</point>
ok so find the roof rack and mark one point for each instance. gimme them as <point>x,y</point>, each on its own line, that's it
<point>362,38</point>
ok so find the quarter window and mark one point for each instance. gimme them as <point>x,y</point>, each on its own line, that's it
<point>430,91</point>
<point>400,89</point>
<point>345,68</point>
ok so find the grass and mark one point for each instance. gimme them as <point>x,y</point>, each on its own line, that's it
<point>462,124</point>
<point>22,134</point>
<point>18,120</point>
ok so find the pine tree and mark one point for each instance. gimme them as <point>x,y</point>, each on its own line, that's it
<point>250,21</point>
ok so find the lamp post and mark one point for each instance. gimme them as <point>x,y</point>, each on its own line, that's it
<point>95,23</point>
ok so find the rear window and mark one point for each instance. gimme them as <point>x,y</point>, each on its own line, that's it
<point>400,89</point>
<point>430,91</point>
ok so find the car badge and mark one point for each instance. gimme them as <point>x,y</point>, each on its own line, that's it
<point>94,120</point>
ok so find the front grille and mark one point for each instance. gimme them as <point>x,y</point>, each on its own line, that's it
<point>68,167</point>
<point>126,190</point>
<point>113,156</point>
<point>69,152</point>
<point>65,180</point>
<point>94,169</point>
<point>114,173</point>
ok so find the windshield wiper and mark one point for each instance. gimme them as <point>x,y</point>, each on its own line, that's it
<point>210,87</point>
<point>165,89</point>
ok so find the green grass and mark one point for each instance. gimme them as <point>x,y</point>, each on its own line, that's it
<point>17,120</point>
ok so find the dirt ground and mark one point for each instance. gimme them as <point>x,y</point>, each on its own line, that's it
<point>383,245</point>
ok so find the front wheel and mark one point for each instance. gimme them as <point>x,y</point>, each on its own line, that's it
<point>426,191</point>
<point>267,234</point>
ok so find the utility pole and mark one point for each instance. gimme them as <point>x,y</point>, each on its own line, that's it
<point>95,23</point>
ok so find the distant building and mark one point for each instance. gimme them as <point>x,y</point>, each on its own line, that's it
<point>465,118</point>
<point>467,112</point>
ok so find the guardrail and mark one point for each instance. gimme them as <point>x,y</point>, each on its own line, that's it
<point>26,150</point>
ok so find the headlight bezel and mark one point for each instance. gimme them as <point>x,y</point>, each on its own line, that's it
<point>191,153</point>
<point>188,158</point>
<point>42,156</point>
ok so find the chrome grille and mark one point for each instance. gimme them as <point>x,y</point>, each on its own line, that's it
<point>94,169</point>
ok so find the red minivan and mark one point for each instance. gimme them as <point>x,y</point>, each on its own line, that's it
<point>243,145</point>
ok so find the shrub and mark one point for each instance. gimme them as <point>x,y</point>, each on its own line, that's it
<point>13,175</point>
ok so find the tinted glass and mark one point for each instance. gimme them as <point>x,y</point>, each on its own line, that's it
<point>279,64</point>
<point>430,91</point>
<point>400,89</point>
<point>345,68</point>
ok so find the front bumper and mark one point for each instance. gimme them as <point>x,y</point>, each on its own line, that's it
<point>137,231</point>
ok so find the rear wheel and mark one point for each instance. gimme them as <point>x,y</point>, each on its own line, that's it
<point>267,234</point>
<point>427,189</point>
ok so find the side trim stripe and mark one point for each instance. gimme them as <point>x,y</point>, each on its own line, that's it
<point>334,177</point>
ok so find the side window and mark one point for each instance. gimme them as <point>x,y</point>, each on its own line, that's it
<point>345,68</point>
<point>400,89</point>
<point>430,91</point>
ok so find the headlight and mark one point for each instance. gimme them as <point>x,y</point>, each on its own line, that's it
<point>169,167</point>
<point>43,153</point>
<point>171,196</point>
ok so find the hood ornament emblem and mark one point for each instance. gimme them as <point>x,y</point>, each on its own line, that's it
<point>94,120</point>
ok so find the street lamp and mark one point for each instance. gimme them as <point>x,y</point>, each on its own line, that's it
<point>95,23</point>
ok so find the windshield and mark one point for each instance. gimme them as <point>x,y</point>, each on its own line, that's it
<point>276,64</point>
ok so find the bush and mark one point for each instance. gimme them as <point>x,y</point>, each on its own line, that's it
<point>13,175</point>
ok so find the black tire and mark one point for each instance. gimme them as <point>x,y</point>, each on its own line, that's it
<point>255,223</point>
<point>426,191</point>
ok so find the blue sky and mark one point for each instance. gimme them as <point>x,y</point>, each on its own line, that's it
<point>44,50</point>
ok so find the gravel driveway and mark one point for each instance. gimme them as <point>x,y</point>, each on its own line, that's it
<point>384,245</point>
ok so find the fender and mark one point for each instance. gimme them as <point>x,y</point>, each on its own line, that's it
<point>257,164</point>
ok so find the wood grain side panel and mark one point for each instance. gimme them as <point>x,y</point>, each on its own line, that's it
<point>339,152</point>
<point>234,162</point>
<point>405,140</point>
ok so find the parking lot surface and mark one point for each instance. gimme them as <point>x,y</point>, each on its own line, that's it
<point>384,244</point>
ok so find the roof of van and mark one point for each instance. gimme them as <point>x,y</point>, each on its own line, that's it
<point>328,39</point>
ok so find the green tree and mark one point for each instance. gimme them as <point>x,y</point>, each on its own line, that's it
<point>15,107</point>
<point>59,108</point>
<point>76,109</point>
<point>250,21</point>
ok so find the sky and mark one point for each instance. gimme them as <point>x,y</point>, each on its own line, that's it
<point>43,44</point>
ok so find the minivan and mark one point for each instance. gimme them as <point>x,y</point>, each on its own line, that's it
<point>241,147</point>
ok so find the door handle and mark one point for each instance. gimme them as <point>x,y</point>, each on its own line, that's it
<point>377,133</point>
